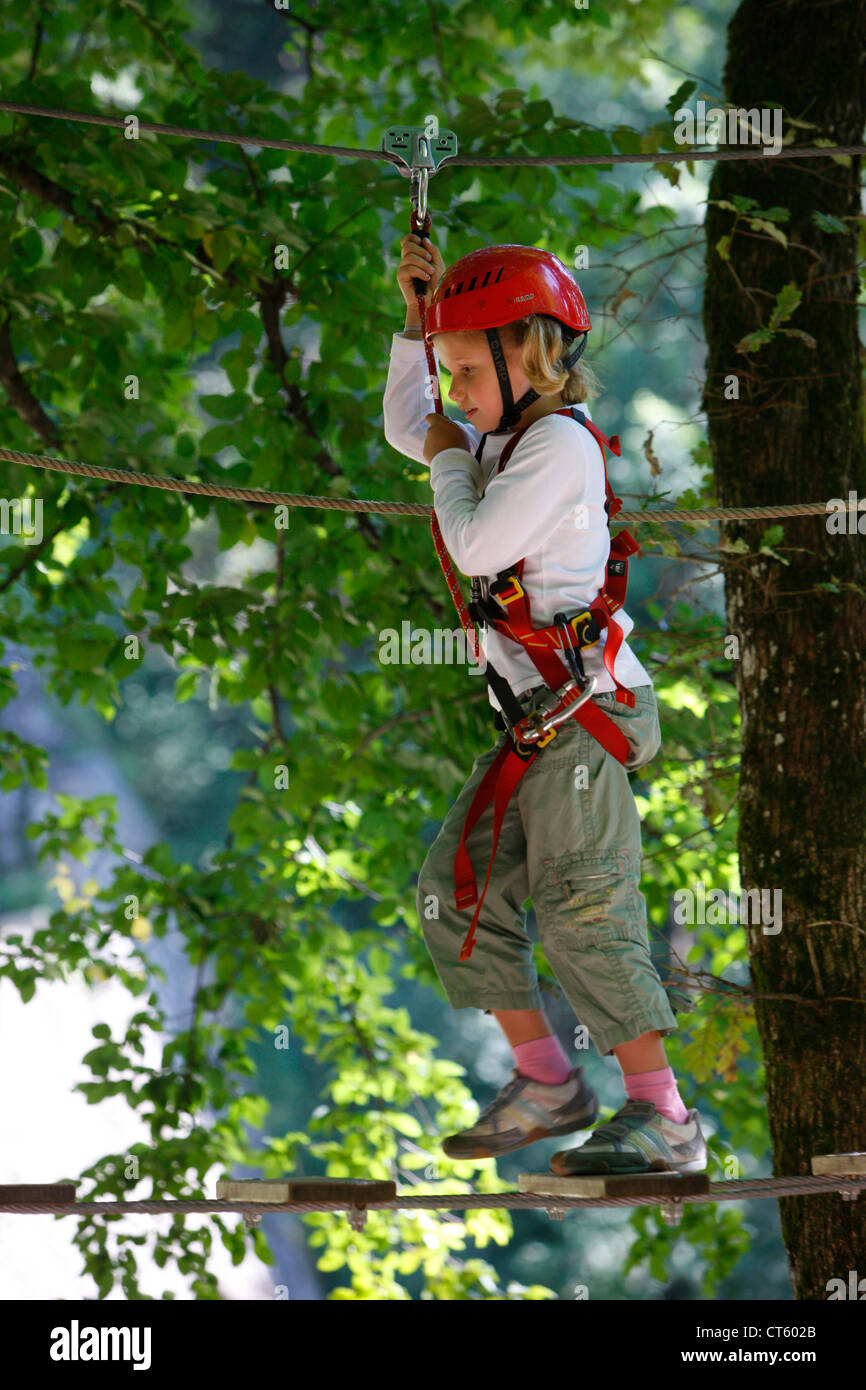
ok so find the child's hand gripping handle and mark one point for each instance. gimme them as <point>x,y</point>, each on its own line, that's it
<point>421,266</point>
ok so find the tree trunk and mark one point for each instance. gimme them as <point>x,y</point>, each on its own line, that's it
<point>796,434</point>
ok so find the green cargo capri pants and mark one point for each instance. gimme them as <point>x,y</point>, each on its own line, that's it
<point>571,841</point>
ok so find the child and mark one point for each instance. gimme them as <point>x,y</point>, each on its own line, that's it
<point>573,844</point>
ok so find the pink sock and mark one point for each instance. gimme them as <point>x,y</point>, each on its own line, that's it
<point>661,1088</point>
<point>543,1060</point>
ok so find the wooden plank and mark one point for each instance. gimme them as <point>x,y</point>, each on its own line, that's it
<point>37,1192</point>
<point>825,1164</point>
<point>292,1189</point>
<point>616,1184</point>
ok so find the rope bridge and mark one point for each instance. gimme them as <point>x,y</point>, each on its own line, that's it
<point>253,1198</point>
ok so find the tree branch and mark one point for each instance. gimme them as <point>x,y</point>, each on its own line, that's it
<point>21,398</point>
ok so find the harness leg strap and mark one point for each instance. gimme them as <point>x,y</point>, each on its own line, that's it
<point>465,889</point>
<point>508,769</point>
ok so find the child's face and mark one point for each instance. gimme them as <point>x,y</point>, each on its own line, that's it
<point>474,385</point>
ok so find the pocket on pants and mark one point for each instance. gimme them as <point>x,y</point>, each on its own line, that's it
<point>640,726</point>
<point>591,898</point>
<point>593,930</point>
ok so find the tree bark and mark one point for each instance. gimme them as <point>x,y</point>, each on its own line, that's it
<point>796,433</point>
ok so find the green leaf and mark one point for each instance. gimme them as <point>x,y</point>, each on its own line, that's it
<point>828,223</point>
<point>760,224</point>
<point>178,331</point>
<point>213,441</point>
<point>236,366</point>
<point>331,1260</point>
<point>787,300</point>
<point>380,960</point>
<point>185,685</point>
<point>406,1124</point>
<point>130,281</point>
<point>28,248</point>
<point>223,407</point>
<point>680,97</point>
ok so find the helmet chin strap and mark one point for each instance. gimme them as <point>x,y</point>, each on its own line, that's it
<point>512,410</point>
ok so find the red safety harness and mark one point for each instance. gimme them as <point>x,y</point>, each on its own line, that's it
<point>510,615</point>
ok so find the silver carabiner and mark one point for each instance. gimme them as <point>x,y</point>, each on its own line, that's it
<point>551,723</point>
<point>418,193</point>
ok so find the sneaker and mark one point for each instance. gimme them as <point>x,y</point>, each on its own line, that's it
<point>637,1139</point>
<point>524,1111</point>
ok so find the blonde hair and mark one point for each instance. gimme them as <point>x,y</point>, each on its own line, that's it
<point>543,341</point>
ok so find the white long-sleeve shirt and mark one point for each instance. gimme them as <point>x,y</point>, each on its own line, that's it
<point>529,511</point>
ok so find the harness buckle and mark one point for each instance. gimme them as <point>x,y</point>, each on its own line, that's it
<point>507,590</point>
<point>586,619</point>
<point>543,742</point>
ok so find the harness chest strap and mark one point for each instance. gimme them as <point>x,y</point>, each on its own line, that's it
<point>540,644</point>
<point>517,624</point>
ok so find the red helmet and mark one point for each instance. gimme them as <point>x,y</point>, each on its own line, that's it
<point>500,284</point>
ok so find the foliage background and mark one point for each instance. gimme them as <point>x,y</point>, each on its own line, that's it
<point>258,647</point>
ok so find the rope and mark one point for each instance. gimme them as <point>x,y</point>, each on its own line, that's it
<point>734,1190</point>
<point>354,504</point>
<point>798,152</point>
<point>421,226</point>
<point>345,151</point>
